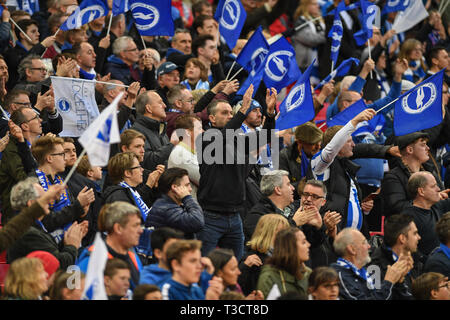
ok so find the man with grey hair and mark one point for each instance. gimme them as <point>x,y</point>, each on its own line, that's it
<point>122,223</point>
<point>181,47</point>
<point>122,64</point>
<point>38,236</point>
<point>150,110</point>
<point>355,283</point>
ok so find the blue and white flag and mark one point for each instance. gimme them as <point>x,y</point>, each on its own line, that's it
<point>30,6</point>
<point>395,5</point>
<point>373,126</point>
<point>231,15</point>
<point>369,11</point>
<point>336,32</point>
<point>254,78</point>
<point>348,114</point>
<point>94,286</point>
<point>280,67</point>
<point>86,12</point>
<point>254,52</point>
<point>346,8</point>
<point>298,106</point>
<point>120,6</point>
<point>103,132</point>
<point>421,107</point>
<point>408,18</point>
<point>340,71</point>
<point>153,18</point>
<point>75,102</point>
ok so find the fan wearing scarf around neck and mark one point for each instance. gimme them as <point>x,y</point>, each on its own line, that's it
<point>49,154</point>
<point>86,59</point>
<point>126,173</point>
<point>355,283</point>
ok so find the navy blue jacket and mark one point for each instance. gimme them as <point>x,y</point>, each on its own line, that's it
<point>187,217</point>
<point>438,262</point>
<point>354,287</point>
<point>120,70</point>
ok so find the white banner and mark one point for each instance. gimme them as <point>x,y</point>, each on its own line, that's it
<point>412,15</point>
<point>94,288</point>
<point>75,101</point>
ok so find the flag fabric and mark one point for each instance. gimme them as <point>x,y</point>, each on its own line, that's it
<point>412,15</point>
<point>94,287</point>
<point>421,107</point>
<point>153,18</point>
<point>368,15</point>
<point>86,12</point>
<point>254,78</point>
<point>75,101</point>
<point>30,6</point>
<point>373,126</point>
<point>254,52</point>
<point>274,293</point>
<point>231,16</point>
<point>395,5</point>
<point>336,33</point>
<point>348,114</point>
<point>298,106</point>
<point>280,67</point>
<point>98,137</point>
<point>346,8</point>
<point>340,71</point>
<point>119,6</point>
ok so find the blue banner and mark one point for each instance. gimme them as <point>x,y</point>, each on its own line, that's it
<point>421,107</point>
<point>395,5</point>
<point>30,6</point>
<point>254,52</point>
<point>348,114</point>
<point>88,11</point>
<point>254,78</point>
<point>340,71</point>
<point>336,33</point>
<point>153,18</point>
<point>280,67</point>
<point>231,15</point>
<point>298,106</point>
<point>120,6</point>
<point>369,11</point>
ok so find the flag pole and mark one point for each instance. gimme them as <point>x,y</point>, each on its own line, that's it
<point>143,43</point>
<point>229,71</point>
<point>322,125</point>
<point>109,24</point>
<point>29,39</point>
<point>444,7</point>
<point>388,104</point>
<point>305,23</point>
<point>54,36</point>
<point>74,167</point>
<point>370,56</point>
<point>231,79</point>
<point>332,66</point>
<point>4,113</point>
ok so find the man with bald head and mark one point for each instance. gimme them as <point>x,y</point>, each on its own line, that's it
<point>427,208</point>
<point>354,281</point>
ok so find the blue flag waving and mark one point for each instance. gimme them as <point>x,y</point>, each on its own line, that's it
<point>340,71</point>
<point>231,15</point>
<point>281,68</point>
<point>369,11</point>
<point>395,5</point>
<point>88,11</point>
<point>298,106</point>
<point>153,18</point>
<point>254,78</point>
<point>348,114</point>
<point>421,107</point>
<point>119,6</point>
<point>30,6</point>
<point>254,52</point>
<point>336,33</point>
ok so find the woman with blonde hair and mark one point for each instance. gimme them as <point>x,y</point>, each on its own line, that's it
<point>195,75</point>
<point>412,50</point>
<point>258,249</point>
<point>308,38</point>
<point>26,280</point>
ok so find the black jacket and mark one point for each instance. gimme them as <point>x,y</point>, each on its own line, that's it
<point>438,262</point>
<point>222,186</point>
<point>289,162</point>
<point>382,257</point>
<point>248,279</point>
<point>118,193</point>
<point>157,144</point>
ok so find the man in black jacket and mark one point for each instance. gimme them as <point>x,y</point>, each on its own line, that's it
<point>150,109</point>
<point>223,171</point>
<point>439,259</point>
<point>400,237</point>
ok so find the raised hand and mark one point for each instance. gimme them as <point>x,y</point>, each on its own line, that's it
<point>271,101</point>
<point>247,99</point>
<point>253,260</point>
<point>331,219</point>
<point>364,115</point>
<point>231,87</point>
<point>16,131</point>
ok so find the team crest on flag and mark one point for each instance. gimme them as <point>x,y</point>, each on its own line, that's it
<point>278,64</point>
<point>153,19</point>
<point>295,97</point>
<point>145,15</point>
<point>86,12</point>
<point>230,14</point>
<point>420,100</point>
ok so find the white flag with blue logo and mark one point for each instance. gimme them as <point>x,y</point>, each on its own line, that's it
<point>75,101</point>
<point>231,15</point>
<point>153,17</point>
<point>94,287</point>
<point>104,131</point>
<point>421,107</point>
<point>86,12</point>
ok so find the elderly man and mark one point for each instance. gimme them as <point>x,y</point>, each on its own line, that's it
<point>427,208</point>
<point>122,223</point>
<point>168,76</point>
<point>400,237</point>
<point>355,282</point>
<point>123,63</point>
<point>151,113</point>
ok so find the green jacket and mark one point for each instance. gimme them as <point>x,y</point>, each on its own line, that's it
<point>285,281</point>
<point>11,172</point>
